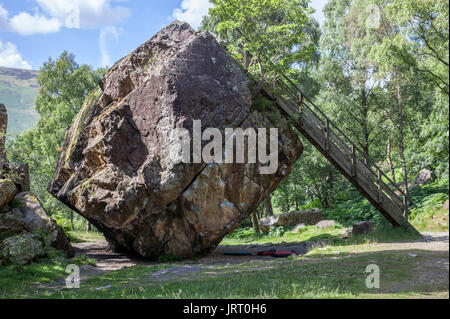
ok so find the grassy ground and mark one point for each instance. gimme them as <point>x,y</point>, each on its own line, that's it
<point>333,271</point>
<point>17,281</point>
<point>82,236</point>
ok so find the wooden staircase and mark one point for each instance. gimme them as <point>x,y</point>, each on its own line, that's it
<point>326,136</point>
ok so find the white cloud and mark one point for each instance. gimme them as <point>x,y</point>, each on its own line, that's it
<point>26,24</point>
<point>192,11</point>
<point>52,15</point>
<point>93,14</point>
<point>108,35</point>
<point>10,56</point>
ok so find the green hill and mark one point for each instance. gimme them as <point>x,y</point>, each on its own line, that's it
<point>18,90</point>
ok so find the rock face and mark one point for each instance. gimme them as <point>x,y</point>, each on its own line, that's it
<point>308,217</point>
<point>35,218</point>
<point>22,215</point>
<point>425,177</point>
<point>120,167</point>
<point>7,191</point>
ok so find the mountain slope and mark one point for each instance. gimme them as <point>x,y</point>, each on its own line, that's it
<point>18,90</point>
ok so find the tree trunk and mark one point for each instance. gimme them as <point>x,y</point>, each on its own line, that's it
<point>71,221</point>
<point>389,159</point>
<point>255,223</point>
<point>365,128</point>
<point>269,208</point>
<point>88,226</point>
<point>401,139</point>
<point>295,196</point>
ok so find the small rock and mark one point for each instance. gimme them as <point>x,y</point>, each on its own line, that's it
<point>11,222</point>
<point>361,228</point>
<point>298,228</point>
<point>346,233</point>
<point>103,288</point>
<point>325,224</point>
<point>425,177</point>
<point>412,255</point>
<point>445,205</point>
<point>35,218</point>
<point>21,249</point>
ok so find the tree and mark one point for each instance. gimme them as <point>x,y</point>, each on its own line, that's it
<point>269,36</point>
<point>422,39</point>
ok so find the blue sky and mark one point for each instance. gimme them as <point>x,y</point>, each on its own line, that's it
<point>98,32</point>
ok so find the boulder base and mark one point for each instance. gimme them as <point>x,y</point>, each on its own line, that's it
<point>121,166</point>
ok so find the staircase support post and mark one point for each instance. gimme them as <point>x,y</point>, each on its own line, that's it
<point>405,208</point>
<point>327,135</point>
<point>380,187</point>
<point>353,161</point>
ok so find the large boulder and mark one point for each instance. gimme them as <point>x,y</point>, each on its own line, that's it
<point>425,177</point>
<point>21,249</point>
<point>121,166</point>
<point>307,217</point>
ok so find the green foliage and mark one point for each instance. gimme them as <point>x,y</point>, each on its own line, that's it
<point>277,33</point>
<point>277,231</point>
<point>429,215</point>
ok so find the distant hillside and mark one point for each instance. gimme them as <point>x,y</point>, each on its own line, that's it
<point>18,90</point>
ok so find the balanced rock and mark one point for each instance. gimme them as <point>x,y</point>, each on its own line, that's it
<point>121,166</point>
<point>307,217</point>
